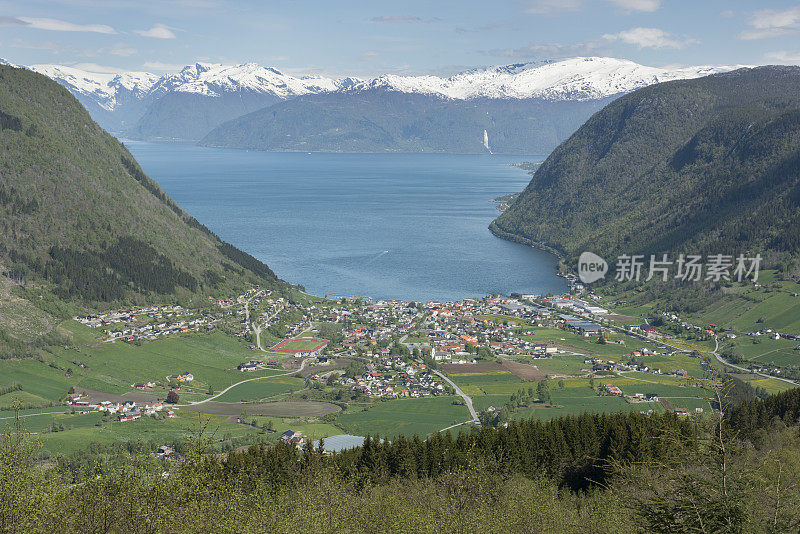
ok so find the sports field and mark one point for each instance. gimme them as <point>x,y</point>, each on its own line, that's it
<point>300,344</point>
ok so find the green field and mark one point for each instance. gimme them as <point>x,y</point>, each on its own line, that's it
<point>570,341</point>
<point>81,429</point>
<point>299,345</point>
<point>562,364</point>
<point>309,430</point>
<point>257,390</point>
<point>577,400</point>
<point>113,367</point>
<point>780,352</point>
<point>498,383</point>
<point>421,416</point>
<point>742,310</point>
<point>499,318</point>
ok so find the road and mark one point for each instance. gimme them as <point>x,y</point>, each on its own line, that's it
<point>743,369</point>
<point>459,392</point>
<point>714,352</point>
<point>302,366</point>
<point>258,329</point>
<point>467,400</point>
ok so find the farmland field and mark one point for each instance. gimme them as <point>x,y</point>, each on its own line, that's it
<point>114,367</point>
<point>768,351</point>
<point>302,344</point>
<point>497,383</point>
<point>271,409</point>
<point>405,416</point>
<point>262,389</point>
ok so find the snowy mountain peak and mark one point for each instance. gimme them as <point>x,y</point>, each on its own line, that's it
<point>106,89</point>
<point>580,78</point>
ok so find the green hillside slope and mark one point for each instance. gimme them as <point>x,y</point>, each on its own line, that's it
<point>78,214</point>
<point>698,166</point>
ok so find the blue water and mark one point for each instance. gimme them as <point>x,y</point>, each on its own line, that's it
<point>401,226</point>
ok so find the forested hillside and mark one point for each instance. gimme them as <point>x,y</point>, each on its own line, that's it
<point>592,473</point>
<point>79,214</point>
<point>709,165</point>
<point>390,121</point>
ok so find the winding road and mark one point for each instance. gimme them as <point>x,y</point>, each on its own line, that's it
<point>459,392</point>
<point>467,400</point>
<point>302,366</point>
<point>725,362</point>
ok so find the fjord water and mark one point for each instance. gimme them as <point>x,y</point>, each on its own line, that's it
<point>395,226</point>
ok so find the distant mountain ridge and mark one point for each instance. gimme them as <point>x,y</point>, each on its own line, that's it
<point>576,79</point>
<point>709,166</point>
<point>516,109</point>
<point>189,104</point>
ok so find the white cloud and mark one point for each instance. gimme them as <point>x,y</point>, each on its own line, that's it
<point>397,19</point>
<point>552,51</point>
<point>122,50</point>
<point>772,23</point>
<point>369,55</point>
<point>546,7</point>
<point>403,19</point>
<point>94,67</point>
<point>649,38</point>
<point>637,5</point>
<point>784,56</point>
<point>158,65</point>
<point>158,31</point>
<point>62,26</point>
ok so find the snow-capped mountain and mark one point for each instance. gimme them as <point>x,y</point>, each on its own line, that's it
<point>191,103</point>
<point>107,90</point>
<point>581,78</point>
<point>215,80</point>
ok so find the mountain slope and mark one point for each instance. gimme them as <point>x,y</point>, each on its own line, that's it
<point>184,105</point>
<point>710,165</point>
<point>388,121</point>
<point>78,213</point>
<point>524,109</point>
<point>115,101</point>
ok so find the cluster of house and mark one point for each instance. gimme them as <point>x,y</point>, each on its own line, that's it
<point>183,377</point>
<point>293,436</point>
<point>125,411</point>
<point>775,335</point>
<point>154,330</point>
<point>611,389</point>
<point>393,377</point>
<point>129,314</point>
<point>598,364</point>
<point>257,365</point>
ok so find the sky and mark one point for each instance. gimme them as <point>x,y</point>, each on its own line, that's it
<point>341,38</point>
